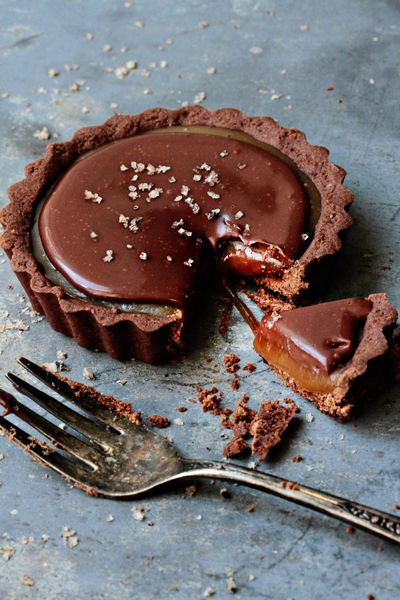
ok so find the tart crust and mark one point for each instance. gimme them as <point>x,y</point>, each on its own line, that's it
<point>156,339</point>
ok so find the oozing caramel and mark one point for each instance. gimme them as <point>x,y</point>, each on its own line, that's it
<point>128,222</point>
<point>311,344</point>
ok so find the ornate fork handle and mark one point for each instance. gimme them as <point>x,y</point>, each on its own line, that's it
<point>371,520</point>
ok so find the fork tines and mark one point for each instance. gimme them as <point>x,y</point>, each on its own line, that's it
<point>92,434</point>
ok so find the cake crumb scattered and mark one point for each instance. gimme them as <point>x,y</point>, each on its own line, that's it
<point>270,423</point>
<point>297,458</point>
<point>158,421</point>
<point>250,367</point>
<point>231,362</point>
<point>236,446</point>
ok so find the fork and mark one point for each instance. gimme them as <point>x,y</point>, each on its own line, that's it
<point>104,453</point>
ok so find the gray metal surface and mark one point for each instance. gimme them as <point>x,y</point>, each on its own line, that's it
<point>278,63</point>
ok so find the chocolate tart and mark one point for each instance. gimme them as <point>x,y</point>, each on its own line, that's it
<point>129,289</point>
<point>327,352</point>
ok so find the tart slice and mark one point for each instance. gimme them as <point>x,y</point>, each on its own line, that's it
<point>113,233</point>
<point>326,352</point>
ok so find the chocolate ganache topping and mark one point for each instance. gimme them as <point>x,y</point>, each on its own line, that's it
<point>128,221</point>
<point>319,338</point>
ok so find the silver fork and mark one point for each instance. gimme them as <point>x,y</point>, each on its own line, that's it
<point>106,454</point>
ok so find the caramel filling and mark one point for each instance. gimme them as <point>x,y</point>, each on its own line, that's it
<point>129,222</point>
<point>313,344</point>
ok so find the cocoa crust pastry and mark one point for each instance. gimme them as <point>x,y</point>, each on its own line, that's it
<point>150,337</point>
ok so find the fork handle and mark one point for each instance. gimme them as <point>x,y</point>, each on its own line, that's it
<point>369,519</point>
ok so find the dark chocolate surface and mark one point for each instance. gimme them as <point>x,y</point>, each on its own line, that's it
<point>145,247</point>
<point>320,337</point>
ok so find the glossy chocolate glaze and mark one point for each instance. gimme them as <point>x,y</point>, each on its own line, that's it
<point>262,204</point>
<point>319,338</point>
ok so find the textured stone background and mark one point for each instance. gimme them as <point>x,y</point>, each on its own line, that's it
<point>279,63</point>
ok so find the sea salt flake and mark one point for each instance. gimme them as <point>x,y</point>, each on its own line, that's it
<point>189,262</point>
<point>172,179</point>
<point>199,97</point>
<point>212,178</point>
<point>134,224</point>
<point>123,168</point>
<point>239,215</point>
<point>42,134</point>
<point>143,256</point>
<point>213,195</point>
<point>124,220</point>
<point>88,374</point>
<point>143,186</point>
<point>155,193</point>
<point>177,224</point>
<point>185,190</point>
<point>94,197</point>
<point>213,213</point>
<point>109,256</point>
<point>163,169</point>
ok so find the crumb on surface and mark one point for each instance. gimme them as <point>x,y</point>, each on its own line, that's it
<point>231,362</point>
<point>270,423</point>
<point>236,446</point>
<point>158,421</point>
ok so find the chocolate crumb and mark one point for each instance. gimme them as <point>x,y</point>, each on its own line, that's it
<point>158,421</point>
<point>210,400</point>
<point>231,362</point>
<point>297,458</point>
<point>350,529</point>
<point>267,428</point>
<point>250,367</point>
<point>191,490</point>
<point>236,446</point>
<point>235,383</point>
<point>182,409</point>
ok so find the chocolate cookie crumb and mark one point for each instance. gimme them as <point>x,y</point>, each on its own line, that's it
<point>210,400</point>
<point>268,426</point>
<point>297,458</point>
<point>158,421</point>
<point>236,446</point>
<point>250,367</point>
<point>231,362</point>
<point>235,383</point>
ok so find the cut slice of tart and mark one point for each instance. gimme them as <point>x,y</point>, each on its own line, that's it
<point>329,352</point>
<point>113,233</point>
